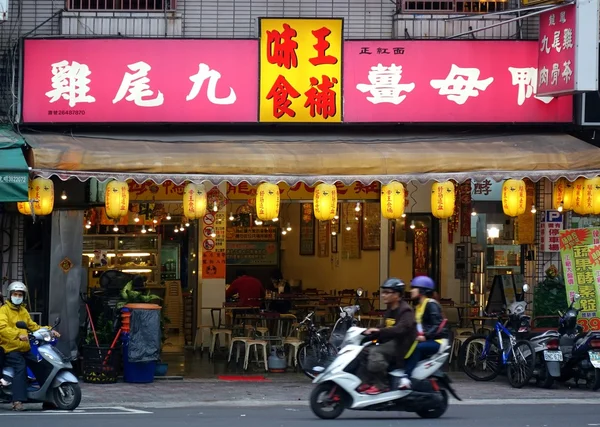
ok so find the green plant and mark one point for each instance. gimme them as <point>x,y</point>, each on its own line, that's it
<point>104,332</point>
<point>549,297</point>
<point>131,296</point>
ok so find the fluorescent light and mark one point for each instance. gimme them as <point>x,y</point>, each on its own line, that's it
<point>137,270</point>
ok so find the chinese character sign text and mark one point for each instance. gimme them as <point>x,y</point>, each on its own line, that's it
<point>556,50</point>
<point>301,70</point>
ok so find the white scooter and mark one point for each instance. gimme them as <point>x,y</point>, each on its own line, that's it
<point>337,385</point>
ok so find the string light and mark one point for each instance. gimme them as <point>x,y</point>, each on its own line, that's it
<point>357,208</point>
<point>136,219</point>
<point>473,212</point>
<point>560,208</point>
<point>231,217</point>
<point>284,232</point>
<point>533,209</point>
<point>168,217</point>
<point>116,228</point>
<point>288,227</point>
<point>143,229</point>
<point>412,225</point>
<point>215,206</point>
<point>63,195</point>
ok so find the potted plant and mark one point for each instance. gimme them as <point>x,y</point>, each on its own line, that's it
<point>549,297</point>
<point>100,353</point>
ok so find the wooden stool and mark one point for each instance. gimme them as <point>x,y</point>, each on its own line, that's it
<point>216,332</point>
<point>293,354</point>
<point>254,344</point>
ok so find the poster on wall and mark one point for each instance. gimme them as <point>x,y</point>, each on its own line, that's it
<point>580,255</point>
<point>307,229</point>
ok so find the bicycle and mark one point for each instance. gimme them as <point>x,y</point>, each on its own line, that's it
<point>316,352</point>
<point>496,350</point>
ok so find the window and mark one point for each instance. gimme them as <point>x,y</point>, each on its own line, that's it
<point>453,6</point>
<point>121,5</point>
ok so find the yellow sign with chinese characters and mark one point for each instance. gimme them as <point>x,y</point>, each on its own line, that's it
<point>301,70</point>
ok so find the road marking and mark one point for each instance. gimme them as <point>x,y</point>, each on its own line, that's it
<point>89,410</point>
<point>304,403</point>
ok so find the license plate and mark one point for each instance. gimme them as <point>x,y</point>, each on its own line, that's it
<point>595,358</point>
<point>553,356</point>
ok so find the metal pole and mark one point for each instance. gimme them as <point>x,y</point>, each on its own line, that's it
<point>503,22</point>
<point>505,12</point>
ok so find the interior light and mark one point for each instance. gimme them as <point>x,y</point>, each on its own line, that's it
<point>168,217</point>
<point>63,195</point>
<point>144,229</point>
<point>412,225</point>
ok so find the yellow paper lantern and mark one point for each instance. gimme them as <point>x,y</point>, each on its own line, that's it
<point>568,196</point>
<point>325,202</point>
<point>559,193</point>
<point>25,207</point>
<point>578,196</point>
<point>443,197</point>
<point>392,200</point>
<point>591,196</point>
<point>116,199</point>
<point>43,194</point>
<point>514,197</point>
<point>267,201</point>
<point>194,201</point>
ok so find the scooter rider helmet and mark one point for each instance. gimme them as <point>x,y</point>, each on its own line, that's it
<point>424,284</point>
<point>394,284</point>
<point>16,287</point>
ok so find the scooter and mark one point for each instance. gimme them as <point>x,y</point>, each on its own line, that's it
<point>55,384</point>
<point>581,351</point>
<point>547,357</point>
<point>337,385</point>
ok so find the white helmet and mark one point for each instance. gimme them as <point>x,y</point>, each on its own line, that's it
<point>16,287</point>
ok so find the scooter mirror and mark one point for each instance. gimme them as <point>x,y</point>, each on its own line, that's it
<point>57,322</point>
<point>21,325</point>
<point>525,287</point>
<point>577,297</point>
<point>359,292</point>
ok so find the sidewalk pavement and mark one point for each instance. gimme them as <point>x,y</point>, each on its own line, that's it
<point>294,390</point>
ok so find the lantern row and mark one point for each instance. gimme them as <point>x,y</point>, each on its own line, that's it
<point>582,196</point>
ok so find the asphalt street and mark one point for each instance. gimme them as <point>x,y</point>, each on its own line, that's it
<point>541,415</point>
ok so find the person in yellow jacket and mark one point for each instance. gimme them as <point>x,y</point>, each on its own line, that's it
<point>15,341</point>
<point>431,325</point>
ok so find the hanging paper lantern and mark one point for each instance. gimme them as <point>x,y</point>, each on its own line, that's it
<point>194,201</point>
<point>561,192</point>
<point>43,194</point>
<point>325,202</point>
<point>514,197</point>
<point>267,201</point>
<point>392,200</point>
<point>443,198</point>
<point>116,199</point>
<point>578,196</point>
<point>25,207</point>
<point>591,196</point>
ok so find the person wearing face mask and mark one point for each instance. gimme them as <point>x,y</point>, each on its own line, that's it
<point>431,325</point>
<point>15,341</point>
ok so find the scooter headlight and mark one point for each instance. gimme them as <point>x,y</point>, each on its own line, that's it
<point>45,335</point>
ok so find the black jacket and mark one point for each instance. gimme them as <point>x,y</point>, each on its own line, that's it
<point>399,325</point>
<point>431,321</point>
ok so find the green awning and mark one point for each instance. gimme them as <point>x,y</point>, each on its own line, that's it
<point>14,172</point>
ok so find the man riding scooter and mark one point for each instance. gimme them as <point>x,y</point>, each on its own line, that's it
<point>15,342</point>
<point>431,326</point>
<point>395,337</point>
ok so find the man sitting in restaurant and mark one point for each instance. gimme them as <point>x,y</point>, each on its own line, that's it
<point>248,288</point>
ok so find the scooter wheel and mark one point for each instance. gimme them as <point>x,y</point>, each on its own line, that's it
<point>437,412</point>
<point>327,401</point>
<point>67,396</point>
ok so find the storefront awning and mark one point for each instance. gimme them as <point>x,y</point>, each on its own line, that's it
<point>292,158</point>
<point>14,172</point>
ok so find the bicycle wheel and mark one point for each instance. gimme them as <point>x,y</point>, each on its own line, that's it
<point>521,363</point>
<point>313,360</point>
<point>479,363</point>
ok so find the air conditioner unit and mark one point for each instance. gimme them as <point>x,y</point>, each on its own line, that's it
<point>4,10</point>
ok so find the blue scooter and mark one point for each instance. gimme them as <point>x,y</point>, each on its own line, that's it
<point>51,380</point>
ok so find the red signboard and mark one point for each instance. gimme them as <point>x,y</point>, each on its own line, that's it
<point>140,80</point>
<point>556,57</point>
<point>446,81</point>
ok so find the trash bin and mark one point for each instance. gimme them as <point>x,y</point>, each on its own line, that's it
<point>100,364</point>
<point>136,372</point>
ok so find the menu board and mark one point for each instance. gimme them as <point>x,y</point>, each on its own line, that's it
<point>371,225</point>
<point>263,234</point>
<point>252,253</point>
<point>307,229</point>
<point>323,234</point>
<point>350,238</point>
